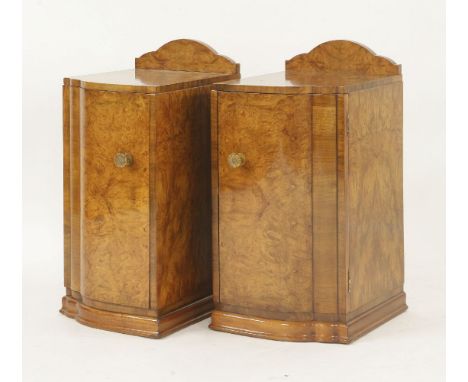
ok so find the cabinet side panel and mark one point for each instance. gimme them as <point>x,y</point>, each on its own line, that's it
<point>214,194</point>
<point>375,195</point>
<point>324,206</point>
<point>75,113</point>
<point>183,228</point>
<point>66,186</point>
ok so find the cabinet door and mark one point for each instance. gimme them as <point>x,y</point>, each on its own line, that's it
<point>115,200</point>
<point>265,217</point>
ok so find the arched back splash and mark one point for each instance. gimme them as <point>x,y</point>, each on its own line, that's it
<point>187,55</point>
<point>342,56</point>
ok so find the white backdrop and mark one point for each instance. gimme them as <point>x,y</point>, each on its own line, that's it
<point>63,38</point>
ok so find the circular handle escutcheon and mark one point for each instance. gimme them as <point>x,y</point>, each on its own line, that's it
<point>123,160</point>
<point>236,160</point>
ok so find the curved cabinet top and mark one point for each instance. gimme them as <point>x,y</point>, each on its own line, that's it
<point>338,66</point>
<point>176,65</point>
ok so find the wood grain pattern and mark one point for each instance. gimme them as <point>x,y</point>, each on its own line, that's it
<point>153,206</point>
<point>115,201</point>
<point>324,206</point>
<point>334,67</point>
<point>339,272</point>
<point>375,194</point>
<point>264,218</point>
<point>182,181</point>
<point>342,204</point>
<point>342,56</point>
<point>188,55</point>
<point>137,240</point>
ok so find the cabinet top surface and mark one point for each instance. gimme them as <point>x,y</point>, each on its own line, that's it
<point>338,66</point>
<point>307,82</point>
<point>145,80</point>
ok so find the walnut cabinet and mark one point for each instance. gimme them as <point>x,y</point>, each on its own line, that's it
<point>307,197</point>
<point>137,191</point>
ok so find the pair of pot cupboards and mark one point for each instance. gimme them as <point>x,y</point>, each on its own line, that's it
<point>275,200</point>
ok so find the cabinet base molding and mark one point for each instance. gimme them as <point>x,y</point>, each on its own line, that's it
<point>309,331</point>
<point>137,325</point>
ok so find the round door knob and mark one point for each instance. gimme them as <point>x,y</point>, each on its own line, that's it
<point>123,159</point>
<point>236,159</point>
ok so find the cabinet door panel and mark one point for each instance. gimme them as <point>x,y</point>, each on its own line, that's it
<point>265,217</point>
<point>115,200</point>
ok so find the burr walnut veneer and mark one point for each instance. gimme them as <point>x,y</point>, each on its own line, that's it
<point>137,191</point>
<point>307,198</point>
